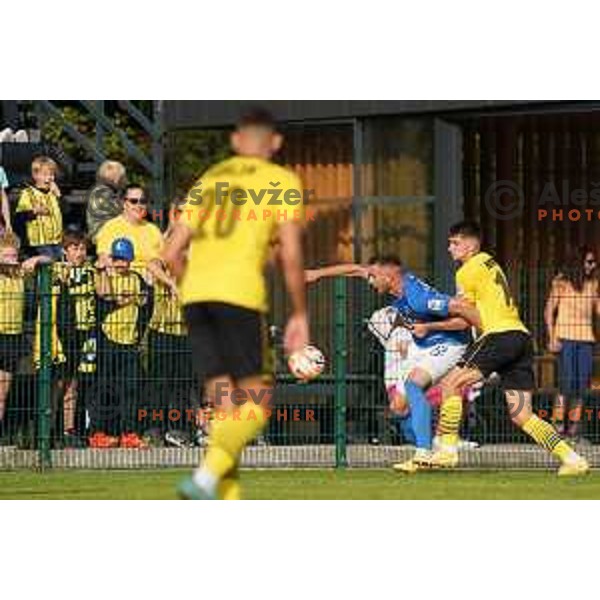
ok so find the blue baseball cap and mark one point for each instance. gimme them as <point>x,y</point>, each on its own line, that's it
<point>122,249</point>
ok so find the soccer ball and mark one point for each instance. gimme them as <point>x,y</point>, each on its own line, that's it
<point>307,363</point>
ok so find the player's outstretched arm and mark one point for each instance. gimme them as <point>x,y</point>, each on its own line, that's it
<point>292,263</point>
<point>345,270</point>
<point>451,324</point>
<point>460,307</point>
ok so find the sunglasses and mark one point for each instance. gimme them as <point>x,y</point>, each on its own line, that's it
<point>143,201</point>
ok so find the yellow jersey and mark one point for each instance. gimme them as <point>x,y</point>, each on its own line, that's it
<point>120,322</point>
<point>167,316</point>
<point>41,229</point>
<point>234,210</point>
<point>146,238</point>
<point>481,280</point>
<point>12,301</point>
<point>79,283</point>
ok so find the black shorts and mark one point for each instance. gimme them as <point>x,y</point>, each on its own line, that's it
<point>509,354</point>
<point>12,349</point>
<point>228,340</point>
<point>72,346</point>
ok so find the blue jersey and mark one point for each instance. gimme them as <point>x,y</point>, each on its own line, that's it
<point>422,303</point>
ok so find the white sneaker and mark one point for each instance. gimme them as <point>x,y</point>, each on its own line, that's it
<point>6,135</point>
<point>21,136</point>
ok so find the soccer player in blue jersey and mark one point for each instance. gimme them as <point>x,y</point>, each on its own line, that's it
<point>439,340</point>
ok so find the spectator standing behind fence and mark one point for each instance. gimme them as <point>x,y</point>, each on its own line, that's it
<point>569,316</point>
<point>5,222</point>
<point>39,211</point>
<point>103,200</point>
<point>76,328</point>
<point>146,237</point>
<point>124,307</point>
<point>169,360</point>
<point>12,309</point>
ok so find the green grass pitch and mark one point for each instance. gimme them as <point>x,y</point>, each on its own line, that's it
<point>303,484</point>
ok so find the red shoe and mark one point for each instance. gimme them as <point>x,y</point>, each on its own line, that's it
<point>101,440</point>
<point>132,440</point>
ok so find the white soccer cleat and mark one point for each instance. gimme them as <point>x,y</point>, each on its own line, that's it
<point>574,469</point>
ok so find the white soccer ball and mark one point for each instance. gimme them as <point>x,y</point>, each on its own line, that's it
<point>307,363</point>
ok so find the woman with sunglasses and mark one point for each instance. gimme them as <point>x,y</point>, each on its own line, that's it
<point>569,317</point>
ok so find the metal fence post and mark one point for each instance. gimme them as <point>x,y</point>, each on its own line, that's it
<point>44,380</point>
<point>341,355</point>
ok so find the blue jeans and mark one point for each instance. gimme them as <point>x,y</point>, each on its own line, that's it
<point>575,366</point>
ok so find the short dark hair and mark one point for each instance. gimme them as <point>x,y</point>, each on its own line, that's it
<point>466,228</point>
<point>134,186</point>
<point>73,237</point>
<point>256,116</point>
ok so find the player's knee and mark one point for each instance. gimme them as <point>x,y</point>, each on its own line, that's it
<point>398,404</point>
<point>419,378</point>
<point>450,385</point>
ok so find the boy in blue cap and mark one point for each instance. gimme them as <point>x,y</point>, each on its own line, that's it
<point>124,309</point>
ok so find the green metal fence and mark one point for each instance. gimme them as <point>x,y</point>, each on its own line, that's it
<point>80,398</point>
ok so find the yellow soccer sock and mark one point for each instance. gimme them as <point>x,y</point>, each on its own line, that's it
<point>546,436</point>
<point>229,489</point>
<point>231,432</point>
<point>449,421</point>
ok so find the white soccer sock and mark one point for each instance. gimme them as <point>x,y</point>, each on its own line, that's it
<point>205,480</point>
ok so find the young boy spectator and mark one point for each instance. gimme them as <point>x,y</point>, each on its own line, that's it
<point>38,208</point>
<point>12,312</point>
<point>76,325</point>
<point>5,223</point>
<point>169,360</point>
<point>124,306</point>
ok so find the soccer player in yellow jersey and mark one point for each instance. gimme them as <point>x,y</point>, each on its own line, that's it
<point>504,347</point>
<point>244,202</point>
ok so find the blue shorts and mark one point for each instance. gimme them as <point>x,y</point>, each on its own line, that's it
<point>575,365</point>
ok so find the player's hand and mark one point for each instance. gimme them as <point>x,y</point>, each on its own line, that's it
<point>40,210</point>
<point>103,261</point>
<point>30,264</point>
<point>173,290</point>
<point>420,330</point>
<point>554,346</point>
<point>296,334</point>
<point>311,275</point>
<point>55,189</point>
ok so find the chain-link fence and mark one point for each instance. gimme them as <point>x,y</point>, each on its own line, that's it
<point>96,372</point>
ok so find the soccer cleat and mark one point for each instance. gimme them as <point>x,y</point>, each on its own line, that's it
<point>189,490</point>
<point>578,467</point>
<point>419,462</point>
<point>444,459</point>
